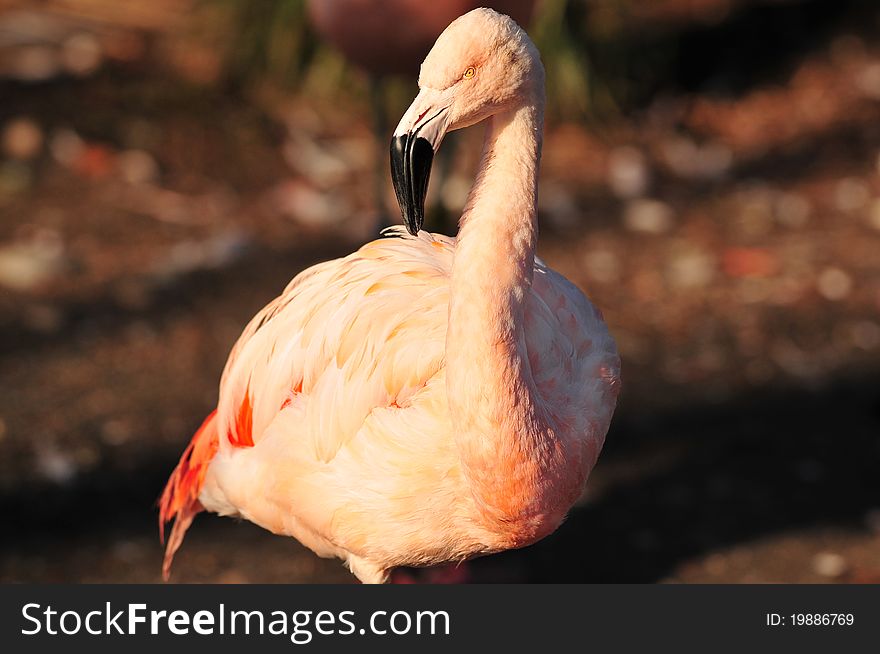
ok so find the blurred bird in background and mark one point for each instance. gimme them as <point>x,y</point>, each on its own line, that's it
<point>369,34</point>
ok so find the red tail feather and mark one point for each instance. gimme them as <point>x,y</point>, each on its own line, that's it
<point>180,499</point>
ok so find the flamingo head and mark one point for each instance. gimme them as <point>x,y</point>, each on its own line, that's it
<point>481,65</point>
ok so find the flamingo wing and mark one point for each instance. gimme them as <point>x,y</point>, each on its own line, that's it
<point>572,356</point>
<point>345,337</point>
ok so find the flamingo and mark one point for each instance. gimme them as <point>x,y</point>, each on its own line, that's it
<point>424,400</point>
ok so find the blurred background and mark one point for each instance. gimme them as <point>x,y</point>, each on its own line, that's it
<point>711,178</point>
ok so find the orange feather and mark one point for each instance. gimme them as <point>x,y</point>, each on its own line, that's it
<point>243,434</point>
<point>180,499</point>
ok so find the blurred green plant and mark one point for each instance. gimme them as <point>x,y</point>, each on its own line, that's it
<point>268,39</point>
<point>600,60</point>
<point>573,86</point>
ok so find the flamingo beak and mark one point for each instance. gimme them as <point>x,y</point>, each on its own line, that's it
<point>413,145</point>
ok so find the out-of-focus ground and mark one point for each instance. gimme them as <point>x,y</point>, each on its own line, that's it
<point>727,223</point>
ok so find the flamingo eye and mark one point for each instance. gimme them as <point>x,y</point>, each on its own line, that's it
<point>470,72</point>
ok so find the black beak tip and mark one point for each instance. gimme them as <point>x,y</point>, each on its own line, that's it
<point>411,159</point>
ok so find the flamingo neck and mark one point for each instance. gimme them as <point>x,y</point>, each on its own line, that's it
<point>504,441</point>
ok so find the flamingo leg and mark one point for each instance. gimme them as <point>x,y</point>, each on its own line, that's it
<point>451,573</point>
<point>381,130</point>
